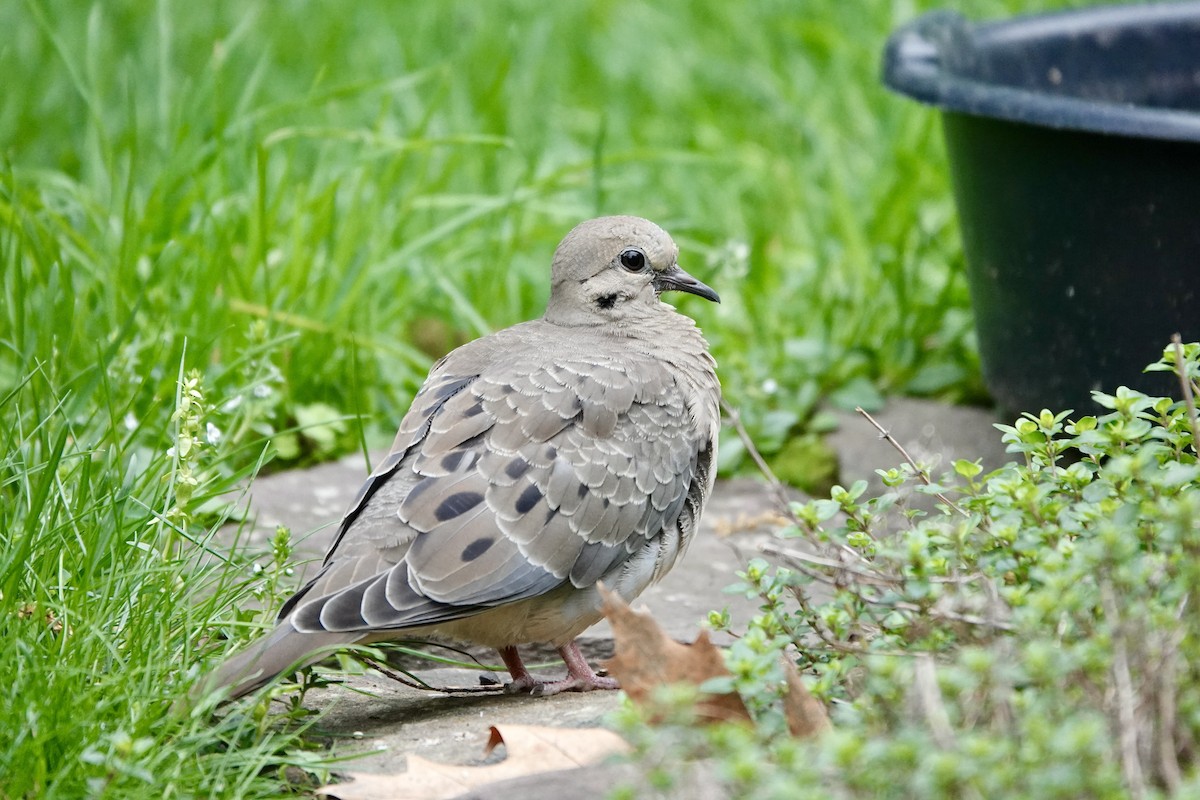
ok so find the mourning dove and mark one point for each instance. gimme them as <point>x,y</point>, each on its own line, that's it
<point>535,463</point>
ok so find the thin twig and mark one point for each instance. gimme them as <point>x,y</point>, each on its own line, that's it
<point>922,473</point>
<point>735,419</point>
<point>1127,724</point>
<point>771,549</point>
<point>895,605</point>
<point>1185,384</point>
<point>416,683</point>
<point>1168,693</point>
<point>952,616</point>
<point>933,613</point>
<point>799,555</point>
<point>929,701</point>
<point>777,486</point>
<point>817,625</point>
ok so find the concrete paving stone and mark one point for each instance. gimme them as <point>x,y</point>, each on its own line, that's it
<point>385,721</point>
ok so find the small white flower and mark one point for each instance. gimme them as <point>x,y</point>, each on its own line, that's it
<point>770,386</point>
<point>212,433</point>
<point>130,422</point>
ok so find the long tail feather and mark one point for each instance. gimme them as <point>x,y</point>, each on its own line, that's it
<point>284,649</point>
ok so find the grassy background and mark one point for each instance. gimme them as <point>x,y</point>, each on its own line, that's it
<point>308,202</point>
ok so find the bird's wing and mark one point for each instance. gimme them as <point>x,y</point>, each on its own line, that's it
<point>510,482</point>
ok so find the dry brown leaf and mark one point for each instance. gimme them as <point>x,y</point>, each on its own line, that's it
<point>531,749</point>
<point>647,658</point>
<point>806,715</point>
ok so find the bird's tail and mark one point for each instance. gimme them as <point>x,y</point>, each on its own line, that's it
<point>283,649</point>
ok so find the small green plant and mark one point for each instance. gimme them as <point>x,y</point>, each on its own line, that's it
<point>1032,632</point>
<point>97,606</point>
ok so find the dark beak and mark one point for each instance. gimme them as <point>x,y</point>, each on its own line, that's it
<point>675,279</point>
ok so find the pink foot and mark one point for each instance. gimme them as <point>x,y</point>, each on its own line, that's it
<point>521,681</point>
<point>580,676</point>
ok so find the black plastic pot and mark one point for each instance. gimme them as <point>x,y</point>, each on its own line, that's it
<point>1074,145</point>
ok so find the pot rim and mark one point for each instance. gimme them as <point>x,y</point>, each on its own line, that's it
<point>930,60</point>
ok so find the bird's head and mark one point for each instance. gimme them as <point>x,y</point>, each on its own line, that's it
<point>614,268</point>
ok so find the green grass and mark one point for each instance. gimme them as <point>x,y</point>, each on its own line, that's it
<point>307,202</point>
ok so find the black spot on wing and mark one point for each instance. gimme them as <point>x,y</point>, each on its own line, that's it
<point>456,504</point>
<point>452,460</point>
<point>582,490</point>
<point>528,499</point>
<point>516,468</point>
<point>477,548</point>
<point>474,410</point>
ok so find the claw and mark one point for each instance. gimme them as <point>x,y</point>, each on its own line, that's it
<point>580,676</point>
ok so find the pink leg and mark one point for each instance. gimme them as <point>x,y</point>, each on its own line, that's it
<point>522,681</point>
<point>580,677</point>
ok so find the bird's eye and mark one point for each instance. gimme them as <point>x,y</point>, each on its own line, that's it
<point>633,260</point>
